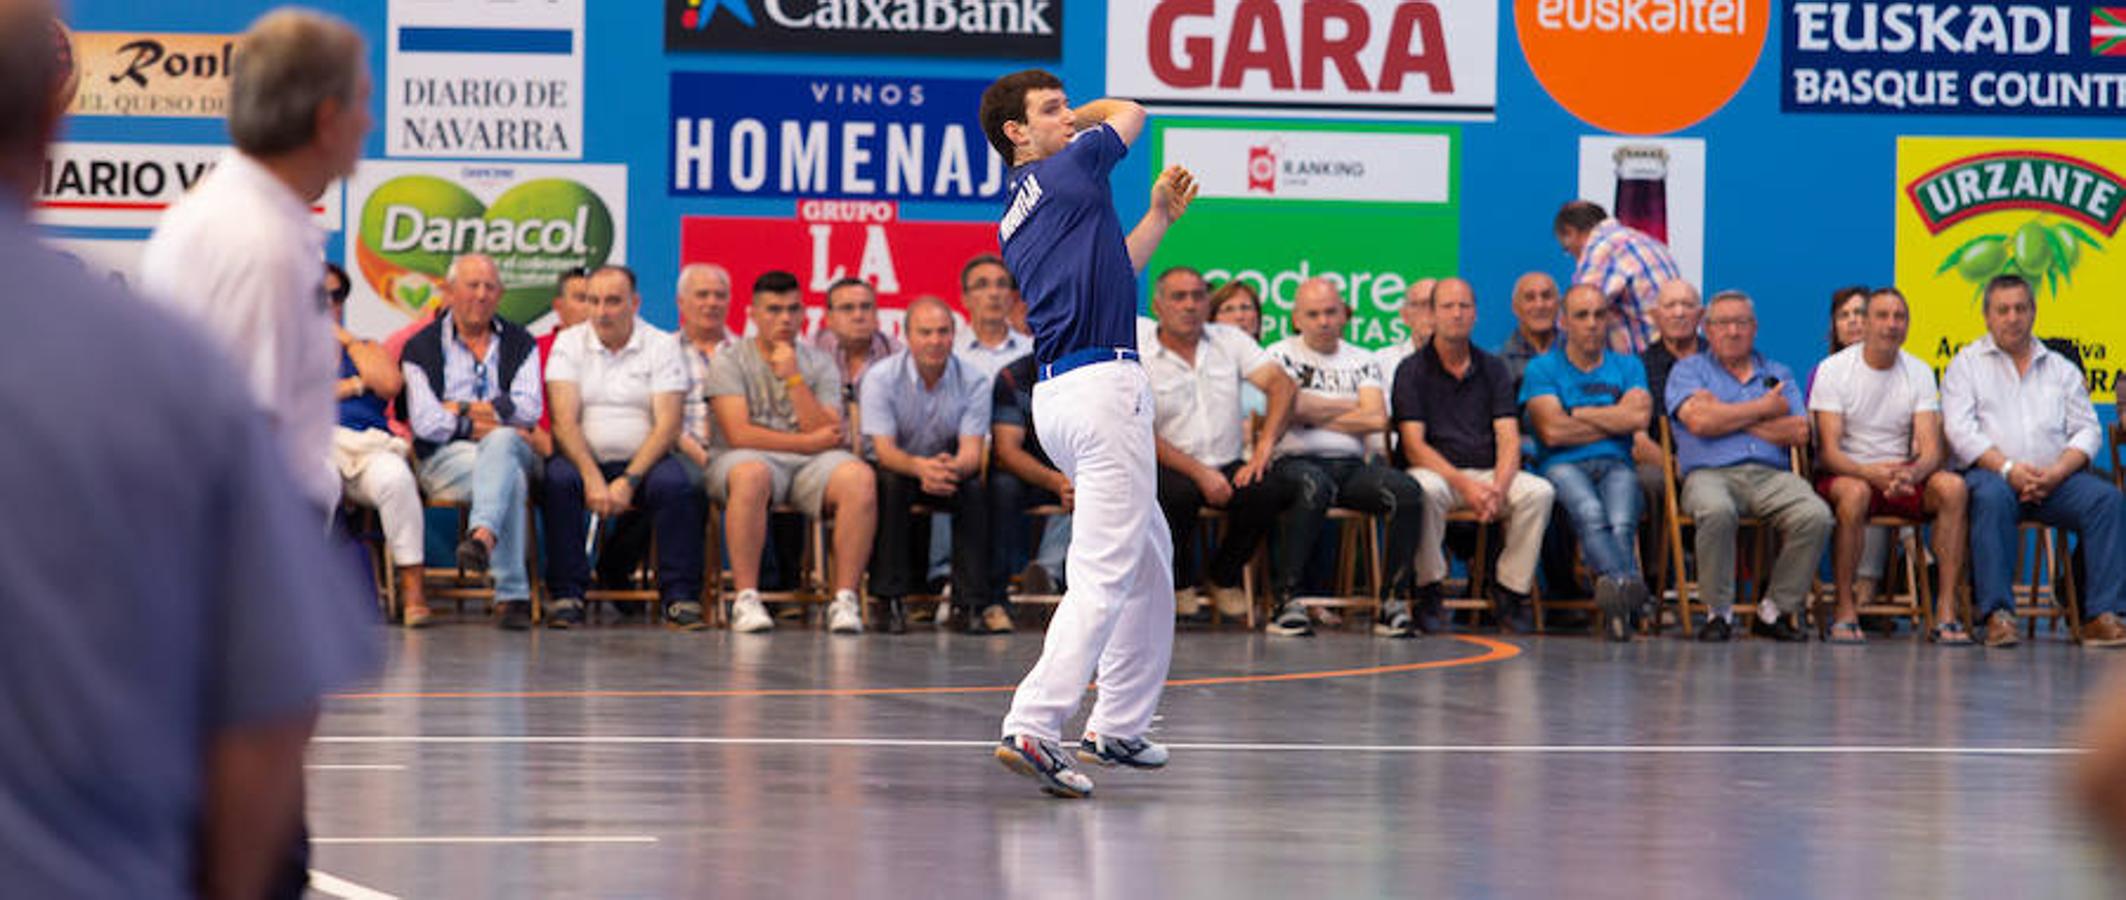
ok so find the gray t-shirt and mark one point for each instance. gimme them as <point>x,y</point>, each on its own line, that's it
<point>738,370</point>
<point>165,580</point>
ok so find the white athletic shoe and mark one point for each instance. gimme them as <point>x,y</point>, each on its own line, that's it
<point>1135,753</point>
<point>843,616</point>
<point>748,616</point>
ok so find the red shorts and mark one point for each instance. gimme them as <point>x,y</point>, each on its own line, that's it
<point>1909,506</point>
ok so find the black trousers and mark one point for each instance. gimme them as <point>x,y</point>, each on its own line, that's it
<point>900,554</point>
<point>1249,515</point>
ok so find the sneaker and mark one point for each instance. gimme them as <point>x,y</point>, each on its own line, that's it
<point>1188,604</point>
<point>843,616</point>
<point>1616,608</point>
<point>749,615</point>
<point>1136,753</point>
<point>1291,621</point>
<point>1430,611</point>
<point>564,613</point>
<point>997,620</point>
<point>418,617</point>
<point>1395,621</point>
<point>684,615</point>
<point>513,615</point>
<point>2001,630</point>
<point>1644,606</point>
<point>1781,629</point>
<point>1716,630</point>
<point>1045,763</point>
<point>895,614</point>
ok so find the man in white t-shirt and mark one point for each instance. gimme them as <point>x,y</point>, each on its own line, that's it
<point>618,389</point>
<point>1341,403</point>
<point>1878,424</point>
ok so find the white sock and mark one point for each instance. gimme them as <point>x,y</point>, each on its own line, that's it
<point>752,594</point>
<point>1767,613</point>
<point>845,594</point>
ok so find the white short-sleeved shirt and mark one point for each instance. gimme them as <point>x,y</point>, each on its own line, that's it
<point>241,258</point>
<point>1199,406</point>
<point>1878,404</point>
<point>1340,375</point>
<point>617,387</point>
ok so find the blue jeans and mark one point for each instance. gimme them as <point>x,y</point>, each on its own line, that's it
<point>1602,498</point>
<point>2083,503</point>
<point>496,471</point>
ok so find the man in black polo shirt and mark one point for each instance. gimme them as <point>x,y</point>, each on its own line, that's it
<point>1459,430</point>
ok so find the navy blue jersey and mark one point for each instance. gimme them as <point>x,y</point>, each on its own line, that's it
<point>1064,245</point>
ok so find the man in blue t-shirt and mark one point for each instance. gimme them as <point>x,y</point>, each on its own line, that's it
<point>1586,402</point>
<point>1093,409</point>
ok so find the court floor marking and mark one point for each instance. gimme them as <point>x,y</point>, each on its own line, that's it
<point>355,767</point>
<point>1494,651</point>
<point>1214,747</point>
<point>490,839</point>
<point>334,886</point>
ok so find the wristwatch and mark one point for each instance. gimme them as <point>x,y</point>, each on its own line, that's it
<point>2007,467</point>
<point>633,480</point>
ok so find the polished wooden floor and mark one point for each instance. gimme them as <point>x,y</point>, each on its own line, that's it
<point>626,761</point>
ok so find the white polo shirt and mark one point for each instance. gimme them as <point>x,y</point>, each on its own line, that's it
<point>617,386</point>
<point>1198,406</point>
<point>240,257</point>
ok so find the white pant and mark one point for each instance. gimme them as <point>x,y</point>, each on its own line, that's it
<point>386,485</point>
<point>1527,513</point>
<point>1117,616</point>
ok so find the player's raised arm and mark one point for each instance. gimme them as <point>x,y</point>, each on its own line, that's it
<point>1125,116</point>
<point>1172,192</point>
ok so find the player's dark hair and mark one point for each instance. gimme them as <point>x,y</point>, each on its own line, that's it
<point>1005,101</point>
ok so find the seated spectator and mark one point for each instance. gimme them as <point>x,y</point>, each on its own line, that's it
<point>570,309</point>
<point>989,294</point>
<point>1741,415</point>
<point>473,395</point>
<point>1587,402</point>
<point>2018,416</point>
<point>618,387</point>
<point>1196,370</point>
<point>370,459</point>
<point>926,413</point>
<point>1022,477</point>
<point>1459,432</point>
<point>1340,402</point>
<point>1881,452</point>
<point>1677,315</point>
<point>851,336</point>
<point>1234,303</point>
<point>1849,319</point>
<point>1625,264</point>
<point>781,439</point>
<point>1417,316</point>
<point>1535,313</point>
<point>704,301</point>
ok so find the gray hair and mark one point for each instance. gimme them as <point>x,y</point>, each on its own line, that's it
<point>285,67</point>
<point>459,262</point>
<point>1733,296</point>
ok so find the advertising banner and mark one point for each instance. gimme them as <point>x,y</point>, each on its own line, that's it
<point>485,79</point>
<point>1969,209</point>
<point>409,220</point>
<point>128,73</point>
<point>1656,185</point>
<point>791,136</point>
<point>1275,239</point>
<point>993,29</point>
<point>1636,67</point>
<point>2064,58</point>
<point>1377,58</point>
<point>97,185</point>
<point>829,240</point>
<point>113,259</point>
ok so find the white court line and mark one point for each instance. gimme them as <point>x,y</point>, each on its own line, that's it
<point>492,839</point>
<point>332,886</point>
<point>355,767</point>
<point>1818,749</point>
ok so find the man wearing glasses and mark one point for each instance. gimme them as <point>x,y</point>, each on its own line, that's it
<point>780,438</point>
<point>473,395</point>
<point>852,337</point>
<point>991,297</point>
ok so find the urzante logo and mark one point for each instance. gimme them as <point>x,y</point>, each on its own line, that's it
<point>995,28</point>
<point>1262,168</point>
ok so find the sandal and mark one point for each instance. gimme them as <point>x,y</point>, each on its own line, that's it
<point>1951,634</point>
<point>1848,633</point>
<point>418,616</point>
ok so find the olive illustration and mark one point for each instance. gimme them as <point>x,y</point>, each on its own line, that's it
<point>1983,258</point>
<point>2033,248</point>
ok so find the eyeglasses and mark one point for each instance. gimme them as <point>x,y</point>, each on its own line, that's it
<point>1724,322</point>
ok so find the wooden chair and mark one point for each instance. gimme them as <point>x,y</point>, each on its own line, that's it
<point>1751,535</point>
<point>814,584</point>
<point>2045,588</point>
<point>1915,601</point>
<point>454,583</point>
<point>1357,533</point>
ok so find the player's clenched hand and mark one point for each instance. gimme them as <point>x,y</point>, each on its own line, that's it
<point>1174,190</point>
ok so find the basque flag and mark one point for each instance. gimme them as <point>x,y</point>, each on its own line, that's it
<point>2107,31</point>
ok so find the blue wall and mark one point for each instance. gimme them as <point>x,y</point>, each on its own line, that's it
<point>1795,204</point>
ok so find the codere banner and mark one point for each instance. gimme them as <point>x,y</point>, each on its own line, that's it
<point>1969,209</point>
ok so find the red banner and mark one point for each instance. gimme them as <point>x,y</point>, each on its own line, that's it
<point>834,239</point>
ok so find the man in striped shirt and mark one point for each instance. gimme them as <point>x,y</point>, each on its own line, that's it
<point>1628,265</point>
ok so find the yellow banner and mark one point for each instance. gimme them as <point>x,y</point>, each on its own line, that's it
<point>1969,209</point>
<point>126,73</point>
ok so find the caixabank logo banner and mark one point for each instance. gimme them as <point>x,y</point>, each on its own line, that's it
<point>993,29</point>
<point>1969,209</point>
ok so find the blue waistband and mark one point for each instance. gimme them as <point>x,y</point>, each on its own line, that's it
<point>1088,356</point>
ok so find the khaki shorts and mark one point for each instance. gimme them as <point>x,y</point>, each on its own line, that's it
<point>800,479</point>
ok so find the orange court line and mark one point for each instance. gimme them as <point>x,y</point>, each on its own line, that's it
<point>1495,650</point>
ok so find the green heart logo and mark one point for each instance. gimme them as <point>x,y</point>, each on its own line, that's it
<point>414,225</point>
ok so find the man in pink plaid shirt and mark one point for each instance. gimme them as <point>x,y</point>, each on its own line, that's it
<point>1628,265</point>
